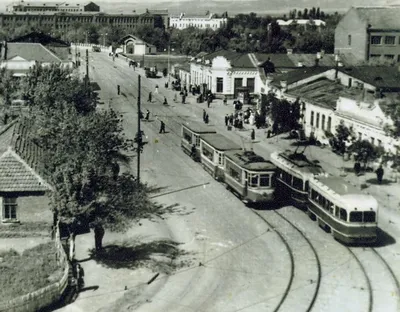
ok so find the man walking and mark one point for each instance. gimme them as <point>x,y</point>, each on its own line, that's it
<point>206,119</point>
<point>118,89</point>
<point>156,90</point>
<point>162,127</point>
<point>253,135</point>
<point>379,174</point>
<point>226,119</point>
<point>150,97</point>
<point>147,115</point>
<point>204,115</point>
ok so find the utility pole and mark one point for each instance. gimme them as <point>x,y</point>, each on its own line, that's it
<point>139,132</point>
<point>169,51</point>
<point>87,64</point>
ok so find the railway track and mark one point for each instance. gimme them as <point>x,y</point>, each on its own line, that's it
<point>297,293</point>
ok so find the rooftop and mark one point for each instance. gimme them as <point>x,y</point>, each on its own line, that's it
<point>297,75</point>
<point>237,60</point>
<point>324,92</point>
<point>316,22</point>
<point>20,164</point>
<point>42,38</point>
<point>298,160</point>
<point>250,161</point>
<point>220,142</point>
<point>386,17</point>
<point>296,59</point>
<point>198,127</point>
<point>31,52</point>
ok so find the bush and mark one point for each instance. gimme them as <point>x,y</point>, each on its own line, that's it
<point>22,274</point>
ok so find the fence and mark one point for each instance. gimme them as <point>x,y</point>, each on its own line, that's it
<point>45,296</point>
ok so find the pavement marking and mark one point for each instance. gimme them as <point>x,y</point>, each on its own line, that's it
<point>180,190</point>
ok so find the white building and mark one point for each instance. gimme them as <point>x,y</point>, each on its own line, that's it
<point>304,23</point>
<point>137,46</point>
<point>202,22</point>
<point>223,72</point>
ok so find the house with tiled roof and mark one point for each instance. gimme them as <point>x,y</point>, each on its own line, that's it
<point>370,34</point>
<point>134,45</point>
<point>23,188</point>
<point>20,54</point>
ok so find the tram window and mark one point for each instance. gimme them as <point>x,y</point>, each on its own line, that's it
<point>264,179</point>
<point>331,208</point>
<point>220,159</point>
<point>356,216</point>
<point>307,186</point>
<point>234,174</point>
<point>197,140</point>
<point>187,136</point>
<point>297,183</point>
<point>343,214</point>
<point>253,181</point>
<point>207,152</point>
<point>369,216</point>
<point>337,210</point>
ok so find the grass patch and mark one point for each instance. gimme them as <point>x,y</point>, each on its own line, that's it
<point>30,229</point>
<point>24,273</point>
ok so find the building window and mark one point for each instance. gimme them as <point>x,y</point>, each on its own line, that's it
<point>390,40</point>
<point>323,122</point>
<point>220,84</point>
<point>389,56</point>
<point>375,56</point>
<point>312,119</point>
<point>398,58</point>
<point>359,136</point>
<point>317,121</point>
<point>349,40</point>
<point>250,84</point>
<point>372,141</point>
<point>376,39</point>
<point>9,208</point>
<point>379,143</point>
<point>329,124</point>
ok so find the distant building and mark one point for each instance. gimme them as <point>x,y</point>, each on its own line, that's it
<point>370,34</point>
<point>301,23</point>
<point>20,54</point>
<point>134,45</point>
<point>27,6</point>
<point>161,14</point>
<point>203,22</point>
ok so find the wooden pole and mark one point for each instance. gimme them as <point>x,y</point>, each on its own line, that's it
<point>139,133</point>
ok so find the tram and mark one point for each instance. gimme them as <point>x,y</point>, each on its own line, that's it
<point>212,152</point>
<point>250,176</point>
<point>343,210</point>
<point>191,131</point>
<point>292,177</point>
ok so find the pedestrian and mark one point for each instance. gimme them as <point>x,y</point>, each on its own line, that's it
<point>357,168</point>
<point>208,101</point>
<point>156,90</point>
<point>253,135</point>
<point>166,85</point>
<point>183,98</point>
<point>269,133</point>
<point>379,174</point>
<point>162,127</point>
<point>175,97</point>
<point>204,115</point>
<point>98,237</point>
<point>165,101</point>
<point>206,119</point>
<point>225,100</point>
<point>118,89</point>
<point>193,151</point>
<point>231,119</point>
<point>147,115</point>
<point>226,119</point>
<point>150,97</point>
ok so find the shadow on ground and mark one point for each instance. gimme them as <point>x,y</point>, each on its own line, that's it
<point>162,256</point>
<point>375,181</point>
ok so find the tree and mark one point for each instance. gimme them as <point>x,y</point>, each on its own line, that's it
<point>284,114</point>
<point>318,13</point>
<point>392,110</point>
<point>343,134</point>
<point>365,151</point>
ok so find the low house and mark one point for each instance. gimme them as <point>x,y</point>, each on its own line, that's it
<point>133,45</point>
<point>20,54</point>
<point>183,72</point>
<point>23,190</point>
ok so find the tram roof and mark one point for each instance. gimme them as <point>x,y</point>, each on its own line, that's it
<point>338,185</point>
<point>220,142</point>
<point>300,163</point>
<point>198,127</point>
<point>250,161</point>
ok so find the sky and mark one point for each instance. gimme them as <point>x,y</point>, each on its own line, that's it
<point>219,6</point>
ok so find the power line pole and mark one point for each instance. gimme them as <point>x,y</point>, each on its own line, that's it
<point>139,132</point>
<point>87,64</point>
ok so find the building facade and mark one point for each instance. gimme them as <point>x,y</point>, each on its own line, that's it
<point>202,22</point>
<point>134,45</point>
<point>370,34</point>
<point>223,72</point>
<point>300,23</point>
<point>26,6</point>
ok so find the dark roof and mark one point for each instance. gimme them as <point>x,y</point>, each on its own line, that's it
<point>198,127</point>
<point>298,74</point>
<point>185,67</point>
<point>238,60</point>
<point>250,161</point>
<point>380,17</point>
<point>296,60</point>
<point>42,38</point>
<point>279,59</point>
<point>135,38</point>
<point>300,162</point>
<point>383,77</point>
<point>220,142</point>
<point>31,52</point>
<point>324,92</point>
<point>20,160</point>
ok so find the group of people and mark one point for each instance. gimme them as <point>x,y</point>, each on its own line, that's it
<point>235,119</point>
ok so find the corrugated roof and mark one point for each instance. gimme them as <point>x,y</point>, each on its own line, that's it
<point>380,17</point>
<point>238,60</point>
<point>220,142</point>
<point>297,75</point>
<point>20,161</point>
<point>198,127</point>
<point>31,52</point>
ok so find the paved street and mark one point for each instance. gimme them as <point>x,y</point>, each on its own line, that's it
<point>245,265</point>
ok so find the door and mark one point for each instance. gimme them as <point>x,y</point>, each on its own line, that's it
<point>238,82</point>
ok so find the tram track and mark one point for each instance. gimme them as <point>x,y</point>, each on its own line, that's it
<point>374,268</point>
<point>288,241</point>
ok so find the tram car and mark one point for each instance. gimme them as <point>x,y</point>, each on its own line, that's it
<point>250,176</point>
<point>343,210</point>
<point>212,152</point>
<point>191,131</point>
<point>292,177</point>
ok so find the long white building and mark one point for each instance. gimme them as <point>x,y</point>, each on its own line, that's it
<point>203,22</point>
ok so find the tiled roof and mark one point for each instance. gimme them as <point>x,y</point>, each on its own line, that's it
<point>384,77</point>
<point>185,67</point>
<point>238,60</point>
<point>294,59</point>
<point>380,17</point>
<point>20,160</point>
<point>324,92</point>
<point>297,75</point>
<point>31,52</point>
<point>42,38</point>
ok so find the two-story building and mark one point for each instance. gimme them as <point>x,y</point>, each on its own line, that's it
<point>370,34</point>
<point>203,22</point>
